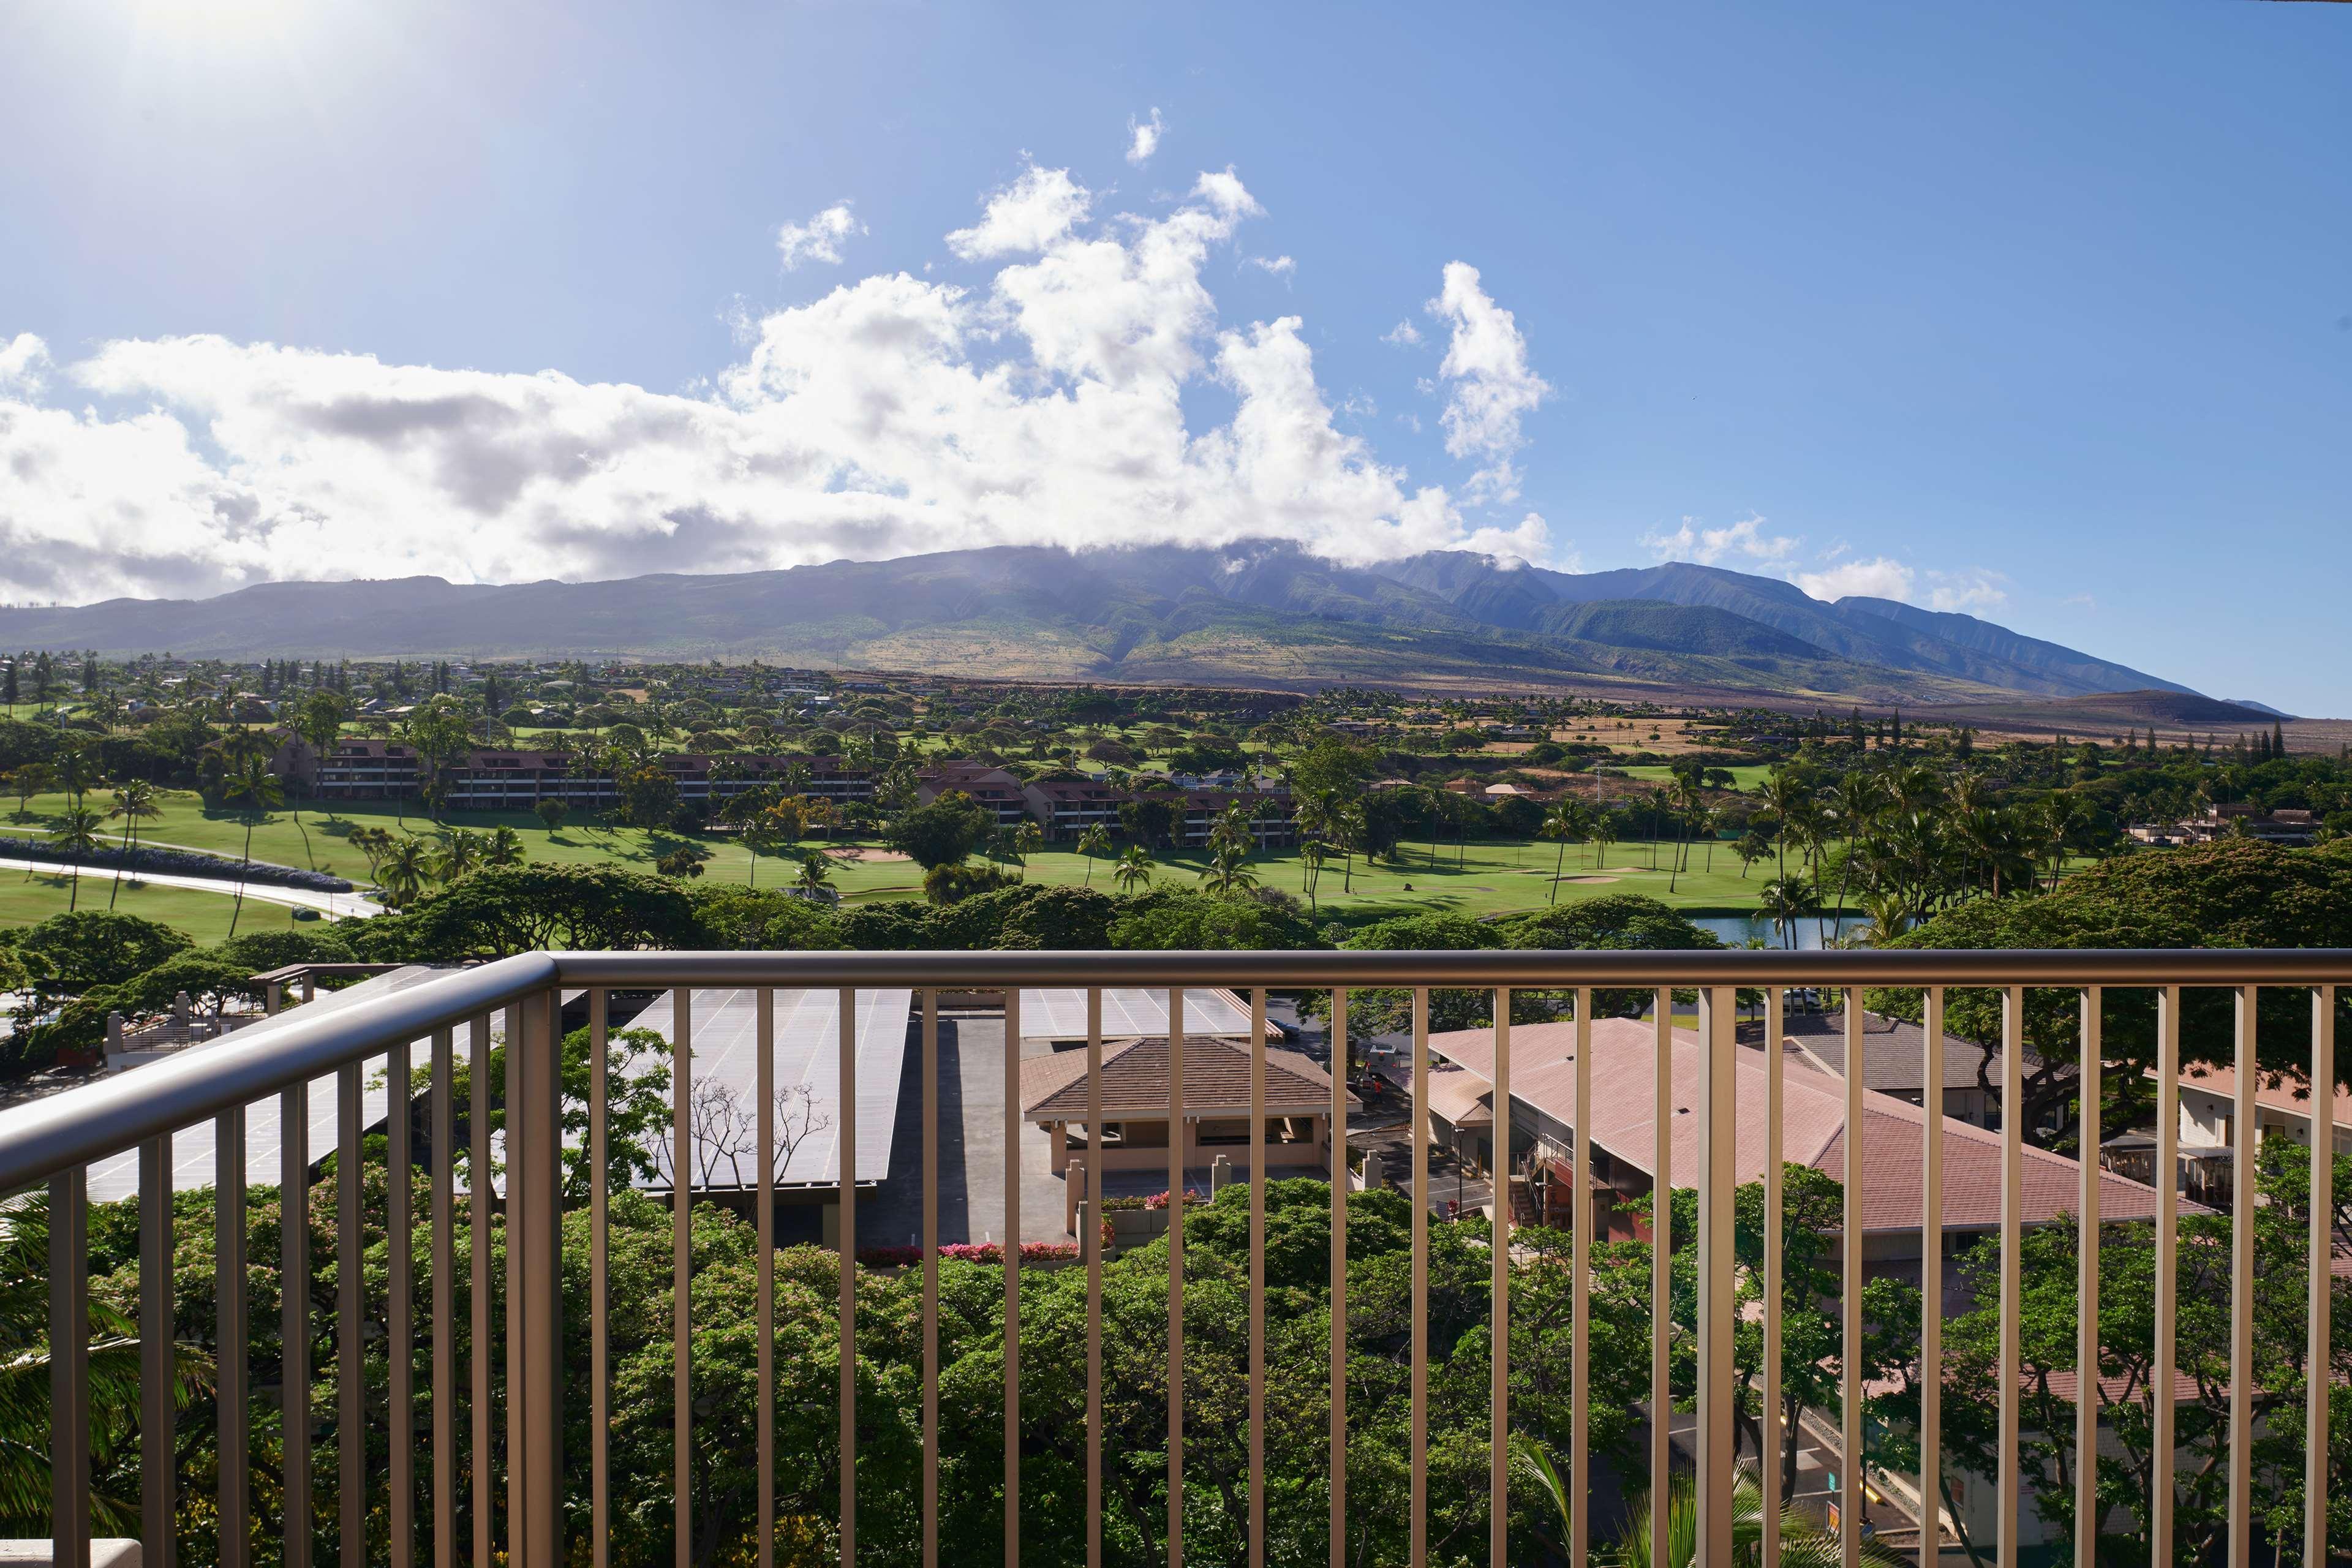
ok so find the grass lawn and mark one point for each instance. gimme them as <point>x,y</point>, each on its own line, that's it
<point>1745,776</point>
<point>1495,878</point>
<point>203,916</point>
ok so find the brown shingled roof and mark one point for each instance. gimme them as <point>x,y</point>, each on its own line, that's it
<point>1135,1081</point>
<point>1543,1075</point>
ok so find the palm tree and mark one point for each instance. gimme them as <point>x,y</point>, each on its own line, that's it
<point>114,1383</point>
<point>134,801</point>
<point>1887,913</point>
<point>1803,1543</point>
<point>1228,872</point>
<point>1310,855</point>
<point>1094,841</point>
<point>1350,826</point>
<point>406,867</point>
<point>77,835</point>
<point>816,873</point>
<point>1786,794</point>
<point>1134,868</point>
<point>1561,825</point>
<point>503,848</point>
<point>1028,839</point>
<point>255,791</point>
<point>1789,900</point>
<point>462,853</point>
<point>1860,800</point>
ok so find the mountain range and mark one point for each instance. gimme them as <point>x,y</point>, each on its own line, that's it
<point>1264,614</point>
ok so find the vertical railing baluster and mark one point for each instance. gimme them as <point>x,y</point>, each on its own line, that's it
<point>2012,1199</point>
<point>2248,1129</point>
<point>158,1330</point>
<point>441,1107</point>
<point>1012,1273</point>
<point>1931,1281</point>
<point>535,1299</point>
<point>681,1319</point>
<point>481,1470</point>
<point>1340,1179</point>
<point>351,1367</point>
<point>1419,1458</point>
<point>1176,1276</point>
<point>1580,1362</point>
<point>845,1169</point>
<point>1850,1462</point>
<point>764,1211</point>
<point>931,1277</point>
<point>600,1268</point>
<point>294,1316</point>
<point>2320,1305</point>
<point>232,1438</point>
<point>1717,1435</point>
<point>1662,1268</point>
<point>512,1032</point>
<point>1498,1372</point>
<point>1257,1179</point>
<point>2168,1284</point>
<point>400,1329</point>
<point>2086,1290</point>
<point>1090,1248</point>
<point>1769,1424</point>
<point>69,1368</point>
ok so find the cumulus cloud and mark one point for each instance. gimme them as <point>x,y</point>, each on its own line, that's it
<point>1143,138</point>
<point>1706,546</point>
<point>1976,588</point>
<point>1025,217</point>
<point>1280,266</point>
<point>1881,577</point>
<point>1493,385</point>
<point>1405,334</point>
<point>1042,405</point>
<point>819,239</point>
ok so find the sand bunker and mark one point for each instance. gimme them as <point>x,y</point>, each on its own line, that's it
<point>861,853</point>
<point>1588,879</point>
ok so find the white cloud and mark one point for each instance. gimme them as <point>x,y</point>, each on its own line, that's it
<point>819,239</point>
<point>24,363</point>
<point>1976,588</point>
<point>1025,217</point>
<point>1706,546</point>
<point>1405,334</point>
<point>1143,138</point>
<point>1043,406</point>
<point>1494,386</point>
<point>1880,577</point>
<point>1280,266</point>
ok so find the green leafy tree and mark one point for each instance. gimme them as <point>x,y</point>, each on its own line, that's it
<point>943,833</point>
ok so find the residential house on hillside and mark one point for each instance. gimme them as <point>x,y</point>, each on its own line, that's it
<point>1001,791</point>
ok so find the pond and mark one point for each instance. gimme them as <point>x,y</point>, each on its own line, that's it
<point>1736,930</point>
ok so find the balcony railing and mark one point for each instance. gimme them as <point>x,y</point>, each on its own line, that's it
<point>511,1469</point>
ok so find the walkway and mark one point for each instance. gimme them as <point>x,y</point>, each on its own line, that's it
<point>337,906</point>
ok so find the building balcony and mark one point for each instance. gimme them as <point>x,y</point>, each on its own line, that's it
<point>891,1317</point>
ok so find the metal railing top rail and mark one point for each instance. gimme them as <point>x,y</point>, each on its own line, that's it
<point>47,1136</point>
<point>39,1139</point>
<point>1528,969</point>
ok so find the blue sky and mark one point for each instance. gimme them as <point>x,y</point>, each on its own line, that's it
<point>2043,313</point>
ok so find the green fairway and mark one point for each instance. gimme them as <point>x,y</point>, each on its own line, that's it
<point>1489,879</point>
<point>203,916</point>
<point>1745,777</point>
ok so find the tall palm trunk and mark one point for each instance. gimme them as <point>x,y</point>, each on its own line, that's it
<point>243,866</point>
